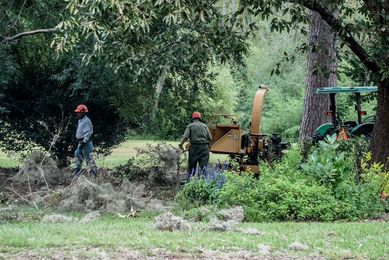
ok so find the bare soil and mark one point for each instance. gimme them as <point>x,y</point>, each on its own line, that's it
<point>153,254</point>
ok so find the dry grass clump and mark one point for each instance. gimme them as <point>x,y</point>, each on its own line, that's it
<point>39,170</point>
<point>221,226</point>
<point>298,246</point>
<point>227,219</point>
<point>169,222</point>
<point>57,218</point>
<point>91,216</point>
<point>235,214</point>
<point>41,183</point>
<point>85,195</point>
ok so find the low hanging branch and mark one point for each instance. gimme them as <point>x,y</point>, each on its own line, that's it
<point>28,33</point>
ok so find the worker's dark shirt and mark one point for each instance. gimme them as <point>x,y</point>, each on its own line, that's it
<point>197,133</point>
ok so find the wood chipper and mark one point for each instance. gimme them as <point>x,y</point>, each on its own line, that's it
<point>247,148</point>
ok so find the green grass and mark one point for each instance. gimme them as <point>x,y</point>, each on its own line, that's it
<point>125,151</point>
<point>8,160</point>
<point>119,155</point>
<point>359,240</point>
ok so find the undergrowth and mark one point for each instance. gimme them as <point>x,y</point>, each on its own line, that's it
<point>328,185</point>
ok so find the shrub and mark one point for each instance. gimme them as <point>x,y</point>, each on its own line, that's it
<point>274,197</point>
<point>327,165</point>
<point>336,166</point>
<point>202,190</point>
<point>237,190</point>
<point>194,194</point>
<point>324,188</point>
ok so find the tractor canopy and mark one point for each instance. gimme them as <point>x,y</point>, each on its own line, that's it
<point>335,90</point>
<point>356,128</point>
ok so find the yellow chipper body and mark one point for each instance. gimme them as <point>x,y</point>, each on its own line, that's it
<point>247,148</point>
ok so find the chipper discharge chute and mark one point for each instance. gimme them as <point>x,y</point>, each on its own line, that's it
<point>247,148</point>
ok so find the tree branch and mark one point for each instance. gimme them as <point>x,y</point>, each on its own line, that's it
<point>23,34</point>
<point>336,24</point>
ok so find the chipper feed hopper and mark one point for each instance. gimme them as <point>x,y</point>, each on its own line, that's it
<point>247,148</point>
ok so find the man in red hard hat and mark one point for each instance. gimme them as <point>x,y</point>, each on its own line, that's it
<point>197,133</point>
<point>84,133</point>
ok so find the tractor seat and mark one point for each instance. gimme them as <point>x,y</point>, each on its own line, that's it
<point>350,124</point>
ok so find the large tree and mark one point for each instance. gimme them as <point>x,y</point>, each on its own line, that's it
<point>321,72</point>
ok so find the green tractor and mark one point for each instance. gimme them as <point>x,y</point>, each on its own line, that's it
<point>346,129</point>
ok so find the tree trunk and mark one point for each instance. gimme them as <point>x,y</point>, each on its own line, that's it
<point>321,73</point>
<point>379,145</point>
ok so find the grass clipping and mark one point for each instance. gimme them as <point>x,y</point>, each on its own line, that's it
<point>85,195</point>
<point>38,172</point>
<point>42,184</point>
<point>169,222</point>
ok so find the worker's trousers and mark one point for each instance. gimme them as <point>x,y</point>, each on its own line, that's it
<point>85,153</point>
<point>198,156</point>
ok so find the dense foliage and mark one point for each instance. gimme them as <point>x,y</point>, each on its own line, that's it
<point>38,107</point>
<point>39,91</point>
<point>144,56</point>
<point>321,188</point>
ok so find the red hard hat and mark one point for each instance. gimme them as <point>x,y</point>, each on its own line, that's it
<point>196,115</point>
<point>81,109</point>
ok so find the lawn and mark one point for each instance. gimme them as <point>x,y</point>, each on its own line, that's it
<point>110,233</point>
<point>119,155</point>
<point>8,160</point>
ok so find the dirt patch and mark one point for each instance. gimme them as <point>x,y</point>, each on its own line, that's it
<point>227,219</point>
<point>153,254</point>
<point>264,249</point>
